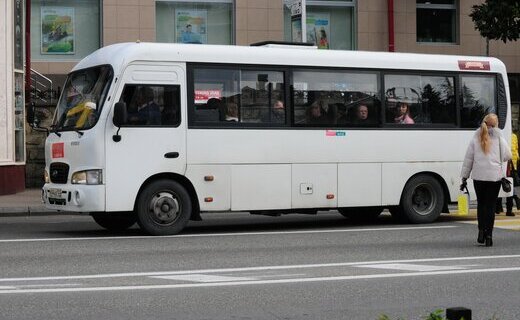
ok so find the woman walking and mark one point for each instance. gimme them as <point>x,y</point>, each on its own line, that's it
<point>485,157</point>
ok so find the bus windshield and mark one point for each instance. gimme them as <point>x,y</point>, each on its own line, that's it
<point>82,99</point>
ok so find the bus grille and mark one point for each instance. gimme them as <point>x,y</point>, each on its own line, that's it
<point>59,172</point>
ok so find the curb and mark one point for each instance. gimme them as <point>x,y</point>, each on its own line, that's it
<point>31,211</point>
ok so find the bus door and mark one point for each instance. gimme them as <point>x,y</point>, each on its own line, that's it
<point>152,140</point>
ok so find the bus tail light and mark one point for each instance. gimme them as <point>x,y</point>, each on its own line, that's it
<point>330,196</point>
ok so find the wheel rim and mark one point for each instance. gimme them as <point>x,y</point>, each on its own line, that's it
<point>423,199</point>
<point>164,208</point>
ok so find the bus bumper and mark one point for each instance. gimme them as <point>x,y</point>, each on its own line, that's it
<point>75,198</point>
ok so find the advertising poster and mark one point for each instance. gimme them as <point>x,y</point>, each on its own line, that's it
<point>191,26</point>
<point>318,29</point>
<point>57,30</point>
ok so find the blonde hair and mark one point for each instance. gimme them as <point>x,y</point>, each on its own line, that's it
<point>491,120</point>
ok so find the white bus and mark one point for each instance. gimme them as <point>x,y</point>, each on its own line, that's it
<point>159,133</point>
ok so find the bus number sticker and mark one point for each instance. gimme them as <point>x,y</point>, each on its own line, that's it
<point>58,150</point>
<point>334,133</point>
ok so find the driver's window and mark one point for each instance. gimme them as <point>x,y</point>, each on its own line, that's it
<point>152,105</point>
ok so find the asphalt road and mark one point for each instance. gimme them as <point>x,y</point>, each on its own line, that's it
<point>238,266</point>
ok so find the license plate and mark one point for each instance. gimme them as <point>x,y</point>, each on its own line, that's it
<point>54,193</point>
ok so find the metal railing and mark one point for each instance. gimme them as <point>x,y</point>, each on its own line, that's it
<point>42,92</point>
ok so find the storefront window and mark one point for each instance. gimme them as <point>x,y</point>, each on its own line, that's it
<point>64,30</point>
<point>208,22</point>
<point>330,24</point>
<point>437,21</point>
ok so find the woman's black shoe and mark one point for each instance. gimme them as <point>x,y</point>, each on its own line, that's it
<point>489,241</point>
<point>480,238</point>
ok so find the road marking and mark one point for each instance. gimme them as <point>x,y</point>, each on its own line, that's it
<point>260,282</point>
<point>260,268</point>
<point>204,278</point>
<point>502,223</point>
<point>234,234</point>
<point>409,267</point>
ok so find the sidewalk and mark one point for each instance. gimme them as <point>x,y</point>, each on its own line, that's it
<point>26,203</point>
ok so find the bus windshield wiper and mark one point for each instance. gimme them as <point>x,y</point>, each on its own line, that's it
<point>54,129</point>
<point>79,132</point>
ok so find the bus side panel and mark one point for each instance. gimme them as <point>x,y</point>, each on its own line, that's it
<point>314,185</point>
<point>260,187</point>
<point>211,181</point>
<point>395,176</point>
<point>359,184</point>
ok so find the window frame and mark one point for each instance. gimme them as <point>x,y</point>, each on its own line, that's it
<point>192,123</point>
<point>289,102</point>
<point>460,97</point>
<point>456,85</point>
<point>431,6</point>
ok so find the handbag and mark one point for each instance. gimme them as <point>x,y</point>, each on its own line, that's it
<point>463,201</point>
<point>505,182</point>
<point>506,185</point>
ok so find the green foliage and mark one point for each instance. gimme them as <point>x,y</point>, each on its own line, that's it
<point>435,315</point>
<point>497,19</point>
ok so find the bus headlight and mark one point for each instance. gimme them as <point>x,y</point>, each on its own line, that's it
<point>46,176</point>
<point>88,177</point>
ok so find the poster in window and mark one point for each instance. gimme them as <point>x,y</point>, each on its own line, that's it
<point>318,29</point>
<point>57,30</point>
<point>191,26</point>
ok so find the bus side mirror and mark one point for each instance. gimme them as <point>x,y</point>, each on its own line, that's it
<point>120,115</point>
<point>119,119</point>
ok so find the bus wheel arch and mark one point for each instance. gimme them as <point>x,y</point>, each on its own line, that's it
<point>172,190</point>
<point>423,198</point>
<point>195,207</point>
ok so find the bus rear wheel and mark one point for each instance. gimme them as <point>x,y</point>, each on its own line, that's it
<point>422,200</point>
<point>361,213</point>
<point>163,208</point>
<point>115,222</point>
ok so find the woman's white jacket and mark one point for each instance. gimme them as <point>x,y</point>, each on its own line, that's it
<point>486,167</point>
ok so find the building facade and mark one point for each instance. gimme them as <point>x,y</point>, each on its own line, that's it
<point>64,31</point>
<point>12,88</point>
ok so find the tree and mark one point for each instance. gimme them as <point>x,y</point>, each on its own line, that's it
<point>497,20</point>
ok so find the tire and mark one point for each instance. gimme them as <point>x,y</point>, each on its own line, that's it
<point>115,222</point>
<point>422,200</point>
<point>361,213</point>
<point>163,208</point>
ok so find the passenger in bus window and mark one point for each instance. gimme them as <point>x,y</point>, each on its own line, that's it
<point>316,114</point>
<point>278,112</point>
<point>231,112</point>
<point>361,114</point>
<point>403,114</point>
<point>148,112</point>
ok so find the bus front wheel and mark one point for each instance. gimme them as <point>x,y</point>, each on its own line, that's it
<point>422,200</point>
<point>163,208</point>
